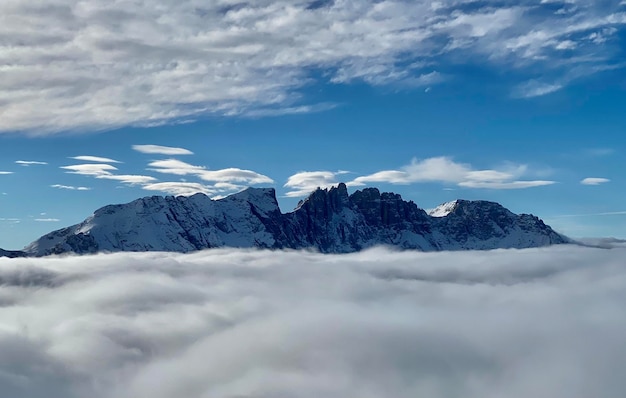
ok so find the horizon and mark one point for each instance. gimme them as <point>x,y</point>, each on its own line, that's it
<point>520,104</point>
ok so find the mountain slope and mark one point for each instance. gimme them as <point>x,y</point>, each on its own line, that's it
<point>330,221</point>
<point>11,253</point>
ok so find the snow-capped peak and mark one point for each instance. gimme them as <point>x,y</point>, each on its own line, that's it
<point>443,209</point>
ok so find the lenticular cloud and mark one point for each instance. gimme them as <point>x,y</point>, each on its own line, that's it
<point>231,323</point>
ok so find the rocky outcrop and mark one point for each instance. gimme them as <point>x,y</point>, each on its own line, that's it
<point>11,253</point>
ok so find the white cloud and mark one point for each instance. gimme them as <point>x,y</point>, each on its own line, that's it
<point>542,322</point>
<point>305,182</point>
<point>294,110</point>
<point>602,35</point>
<point>445,170</point>
<point>47,219</point>
<point>161,150</point>
<point>433,169</point>
<point>505,185</point>
<point>177,167</point>
<point>222,182</point>
<point>5,172</point>
<point>96,64</point>
<point>90,169</point>
<point>70,187</point>
<point>566,45</point>
<point>96,159</point>
<point>594,181</point>
<point>181,188</point>
<point>234,174</point>
<point>535,88</point>
<point>104,171</point>
<point>29,162</point>
<point>130,179</point>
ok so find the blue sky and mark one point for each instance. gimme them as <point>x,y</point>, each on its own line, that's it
<point>516,102</point>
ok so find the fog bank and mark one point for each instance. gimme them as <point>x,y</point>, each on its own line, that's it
<point>546,322</point>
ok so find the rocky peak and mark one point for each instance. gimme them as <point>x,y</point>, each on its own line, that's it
<point>263,199</point>
<point>481,212</point>
<point>384,209</point>
<point>325,202</point>
<point>367,201</point>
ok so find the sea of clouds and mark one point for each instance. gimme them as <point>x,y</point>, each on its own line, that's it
<point>547,322</point>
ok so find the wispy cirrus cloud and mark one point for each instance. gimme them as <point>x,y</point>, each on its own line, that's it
<point>5,172</point>
<point>161,150</point>
<point>90,169</point>
<point>290,110</point>
<point>594,181</point>
<point>233,174</point>
<point>96,64</point>
<point>131,179</point>
<point>534,88</point>
<point>181,188</point>
<point>27,163</point>
<point>70,187</point>
<point>217,183</point>
<point>602,214</point>
<point>106,171</point>
<point>95,159</point>
<point>176,167</point>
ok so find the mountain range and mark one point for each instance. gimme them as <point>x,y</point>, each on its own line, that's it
<point>329,221</point>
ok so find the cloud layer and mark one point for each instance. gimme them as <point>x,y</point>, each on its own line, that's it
<point>542,322</point>
<point>218,183</point>
<point>96,64</point>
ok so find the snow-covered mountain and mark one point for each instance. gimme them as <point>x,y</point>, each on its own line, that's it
<point>329,220</point>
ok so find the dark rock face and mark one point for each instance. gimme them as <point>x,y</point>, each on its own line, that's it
<point>333,222</point>
<point>330,221</point>
<point>12,253</point>
<point>482,222</point>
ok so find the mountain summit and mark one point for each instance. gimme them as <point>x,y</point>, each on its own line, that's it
<point>329,220</point>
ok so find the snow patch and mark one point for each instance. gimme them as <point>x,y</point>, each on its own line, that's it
<point>443,209</point>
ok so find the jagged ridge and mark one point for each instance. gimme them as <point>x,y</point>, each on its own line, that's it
<point>329,220</point>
